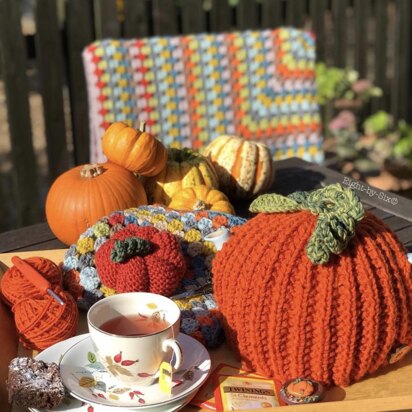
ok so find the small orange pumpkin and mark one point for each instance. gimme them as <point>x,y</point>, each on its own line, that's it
<point>201,197</point>
<point>83,194</point>
<point>135,150</point>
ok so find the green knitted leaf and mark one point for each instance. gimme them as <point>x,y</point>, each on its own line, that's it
<point>272,203</point>
<point>131,246</point>
<point>339,210</point>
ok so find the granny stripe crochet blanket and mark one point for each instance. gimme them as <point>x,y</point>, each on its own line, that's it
<point>200,319</point>
<point>190,89</point>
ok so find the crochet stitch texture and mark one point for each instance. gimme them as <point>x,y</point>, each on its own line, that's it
<point>288,317</point>
<point>156,264</point>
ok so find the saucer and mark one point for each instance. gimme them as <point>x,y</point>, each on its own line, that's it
<point>87,379</point>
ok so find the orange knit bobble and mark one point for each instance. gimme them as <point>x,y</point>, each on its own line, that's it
<point>41,321</point>
<point>14,285</point>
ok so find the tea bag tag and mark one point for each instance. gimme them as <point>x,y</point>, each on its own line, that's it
<point>165,377</point>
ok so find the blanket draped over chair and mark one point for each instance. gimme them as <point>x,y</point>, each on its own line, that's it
<point>190,89</point>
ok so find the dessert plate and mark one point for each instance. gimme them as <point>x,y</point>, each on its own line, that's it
<point>87,379</point>
<point>55,353</point>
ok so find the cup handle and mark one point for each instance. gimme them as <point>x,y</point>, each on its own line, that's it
<point>172,344</point>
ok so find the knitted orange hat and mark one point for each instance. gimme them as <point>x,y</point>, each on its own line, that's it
<point>304,295</point>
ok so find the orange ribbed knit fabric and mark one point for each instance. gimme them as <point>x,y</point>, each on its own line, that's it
<point>287,317</point>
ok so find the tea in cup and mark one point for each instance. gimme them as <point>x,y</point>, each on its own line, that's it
<point>133,333</point>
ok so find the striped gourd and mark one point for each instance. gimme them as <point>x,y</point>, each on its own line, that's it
<point>184,168</point>
<point>245,168</point>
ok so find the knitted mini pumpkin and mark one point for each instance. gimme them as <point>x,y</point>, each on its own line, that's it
<point>312,287</point>
<point>141,259</point>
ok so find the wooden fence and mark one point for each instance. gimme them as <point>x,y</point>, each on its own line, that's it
<point>372,36</point>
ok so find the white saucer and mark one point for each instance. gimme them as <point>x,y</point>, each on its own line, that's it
<point>87,379</point>
<point>55,353</point>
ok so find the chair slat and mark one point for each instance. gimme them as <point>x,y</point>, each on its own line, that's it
<point>136,19</point>
<point>362,11</point>
<point>50,66</point>
<point>380,54</point>
<point>295,11</point>
<point>317,13</point>
<point>106,19</point>
<point>247,15</point>
<point>79,35</point>
<point>164,17</point>
<point>271,14</point>
<point>193,17</point>
<point>402,65</point>
<point>221,16</point>
<point>14,63</point>
<point>339,10</point>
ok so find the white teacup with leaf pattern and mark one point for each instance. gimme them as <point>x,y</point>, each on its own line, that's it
<point>135,359</point>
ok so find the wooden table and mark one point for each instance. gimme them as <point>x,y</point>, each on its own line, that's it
<point>388,391</point>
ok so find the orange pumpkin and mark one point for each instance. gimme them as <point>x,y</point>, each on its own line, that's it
<point>135,150</point>
<point>83,194</point>
<point>201,197</point>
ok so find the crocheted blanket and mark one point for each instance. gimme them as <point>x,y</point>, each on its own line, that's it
<point>200,318</point>
<point>190,89</point>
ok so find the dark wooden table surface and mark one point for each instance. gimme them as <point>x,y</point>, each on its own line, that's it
<point>291,175</point>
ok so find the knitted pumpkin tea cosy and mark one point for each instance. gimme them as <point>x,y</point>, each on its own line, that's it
<point>314,287</point>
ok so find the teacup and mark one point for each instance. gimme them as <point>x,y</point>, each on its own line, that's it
<point>133,333</point>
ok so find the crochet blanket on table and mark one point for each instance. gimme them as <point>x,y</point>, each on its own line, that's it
<point>200,318</point>
<point>190,89</point>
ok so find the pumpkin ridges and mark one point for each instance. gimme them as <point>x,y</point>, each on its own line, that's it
<point>184,169</point>
<point>121,143</point>
<point>216,146</point>
<point>136,150</point>
<point>159,162</point>
<point>74,203</point>
<point>263,179</point>
<point>138,159</point>
<point>191,176</point>
<point>225,162</point>
<point>201,197</point>
<point>236,169</point>
<point>257,183</point>
<point>223,205</point>
<point>248,169</point>
<point>157,187</point>
<point>140,197</point>
<point>268,174</point>
<point>209,174</point>
<point>243,171</point>
<point>213,195</point>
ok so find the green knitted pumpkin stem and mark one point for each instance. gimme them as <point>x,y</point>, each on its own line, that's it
<point>339,210</point>
<point>131,246</point>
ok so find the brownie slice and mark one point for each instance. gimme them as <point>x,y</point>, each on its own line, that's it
<point>34,384</point>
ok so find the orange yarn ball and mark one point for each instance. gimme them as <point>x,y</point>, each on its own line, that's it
<point>41,321</point>
<point>14,285</point>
